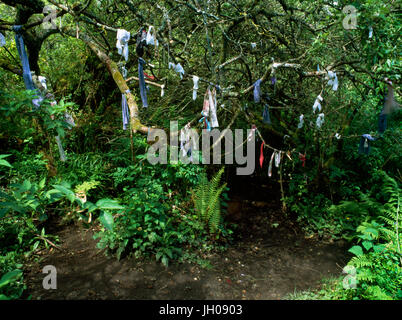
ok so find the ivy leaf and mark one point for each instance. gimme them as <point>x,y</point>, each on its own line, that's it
<point>107,220</point>
<point>357,250</point>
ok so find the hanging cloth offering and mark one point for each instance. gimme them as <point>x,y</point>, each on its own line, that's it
<point>151,38</point>
<point>252,133</point>
<point>370,32</point>
<point>195,88</point>
<point>265,115</point>
<point>42,81</point>
<point>333,80</point>
<point>317,104</point>
<point>2,40</point>
<point>390,105</point>
<point>270,164</point>
<point>302,158</point>
<point>162,90</point>
<point>123,37</point>
<point>262,154</point>
<point>212,108</point>
<point>19,41</point>
<point>301,122</point>
<point>143,89</point>
<point>382,123</point>
<point>320,120</point>
<point>365,147</point>
<point>124,110</point>
<point>178,68</point>
<point>257,91</point>
<point>278,158</point>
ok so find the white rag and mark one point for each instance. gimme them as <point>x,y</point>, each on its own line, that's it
<point>123,37</point>
<point>42,81</point>
<point>178,68</point>
<point>317,104</point>
<point>320,120</point>
<point>195,88</point>
<point>333,80</point>
<point>212,108</point>
<point>151,38</point>
<point>301,123</point>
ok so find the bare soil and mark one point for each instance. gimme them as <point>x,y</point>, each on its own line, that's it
<point>270,259</point>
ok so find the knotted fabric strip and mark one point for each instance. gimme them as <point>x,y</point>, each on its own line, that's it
<point>257,91</point>
<point>123,37</point>
<point>262,154</point>
<point>270,164</point>
<point>382,123</point>
<point>195,87</point>
<point>302,158</point>
<point>365,147</point>
<point>320,120</point>
<point>143,89</point>
<point>19,41</point>
<point>124,111</point>
<point>265,115</point>
<point>42,81</point>
<point>178,68</point>
<point>301,122</point>
<point>151,38</point>
<point>317,104</point>
<point>212,108</point>
<point>278,155</point>
<point>333,80</point>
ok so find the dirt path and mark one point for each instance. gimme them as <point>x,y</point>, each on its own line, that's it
<point>269,262</point>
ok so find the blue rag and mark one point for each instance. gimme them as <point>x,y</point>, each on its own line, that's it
<point>143,89</point>
<point>257,91</point>
<point>124,111</point>
<point>265,115</point>
<point>382,123</point>
<point>26,71</point>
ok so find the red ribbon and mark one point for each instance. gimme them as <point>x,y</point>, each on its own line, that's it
<point>302,158</point>
<point>262,154</point>
<point>149,77</point>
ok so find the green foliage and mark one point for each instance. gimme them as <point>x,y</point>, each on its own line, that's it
<point>206,197</point>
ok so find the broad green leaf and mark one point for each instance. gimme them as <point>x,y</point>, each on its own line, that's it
<point>108,204</point>
<point>9,277</point>
<point>107,220</point>
<point>5,163</point>
<point>379,248</point>
<point>367,245</point>
<point>357,250</point>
